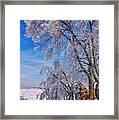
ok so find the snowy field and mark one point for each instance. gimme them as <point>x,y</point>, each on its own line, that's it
<point>29,93</point>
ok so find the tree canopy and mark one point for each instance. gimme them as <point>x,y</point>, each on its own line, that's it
<point>78,42</point>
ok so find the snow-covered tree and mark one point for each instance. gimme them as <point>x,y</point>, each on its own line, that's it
<point>78,41</point>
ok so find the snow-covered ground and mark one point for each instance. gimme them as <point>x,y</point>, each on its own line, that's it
<point>29,93</point>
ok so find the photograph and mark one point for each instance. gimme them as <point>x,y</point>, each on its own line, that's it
<point>59,59</point>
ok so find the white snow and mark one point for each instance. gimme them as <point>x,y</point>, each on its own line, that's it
<point>29,93</point>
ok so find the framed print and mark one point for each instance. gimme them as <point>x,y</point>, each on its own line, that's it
<point>59,60</point>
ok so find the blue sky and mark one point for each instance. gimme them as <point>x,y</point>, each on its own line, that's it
<point>31,61</point>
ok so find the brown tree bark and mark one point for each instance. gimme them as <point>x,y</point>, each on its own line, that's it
<point>91,88</point>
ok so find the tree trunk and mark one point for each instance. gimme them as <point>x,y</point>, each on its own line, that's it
<point>91,88</point>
